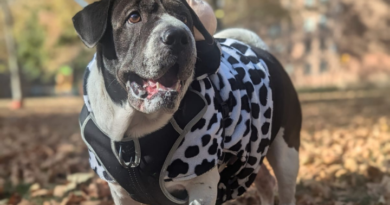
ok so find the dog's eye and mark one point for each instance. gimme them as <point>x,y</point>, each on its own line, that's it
<point>134,17</point>
<point>184,19</point>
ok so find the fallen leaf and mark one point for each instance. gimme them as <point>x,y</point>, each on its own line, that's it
<point>25,202</point>
<point>14,199</point>
<point>35,187</point>
<point>72,199</point>
<point>80,177</point>
<point>61,190</point>
<point>41,192</point>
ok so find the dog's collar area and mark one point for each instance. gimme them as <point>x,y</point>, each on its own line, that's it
<point>140,165</point>
<point>132,163</point>
<point>208,59</point>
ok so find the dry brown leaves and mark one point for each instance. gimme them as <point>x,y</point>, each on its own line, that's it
<point>345,156</point>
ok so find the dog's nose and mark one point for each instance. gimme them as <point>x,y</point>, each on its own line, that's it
<point>175,36</point>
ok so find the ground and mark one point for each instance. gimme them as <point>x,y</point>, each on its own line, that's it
<point>345,153</point>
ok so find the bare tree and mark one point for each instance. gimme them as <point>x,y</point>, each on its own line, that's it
<point>12,57</point>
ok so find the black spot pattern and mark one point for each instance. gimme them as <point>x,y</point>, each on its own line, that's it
<point>267,113</point>
<point>232,60</point>
<point>204,167</point>
<point>228,139</point>
<point>97,160</point>
<point>241,47</point>
<point>254,134</point>
<point>263,95</point>
<point>255,110</point>
<point>207,83</point>
<point>263,144</point>
<point>241,191</point>
<point>236,147</point>
<point>213,148</point>
<point>221,84</point>
<point>245,104</point>
<point>239,120</point>
<point>228,122</point>
<point>265,128</point>
<point>207,97</point>
<point>254,59</point>
<point>232,101</point>
<point>248,148</point>
<point>177,167</point>
<point>213,120</point>
<point>249,89</point>
<point>205,140</point>
<point>244,60</point>
<point>256,79</point>
<point>240,73</point>
<point>191,152</point>
<point>221,40</point>
<point>201,123</point>
<point>233,84</point>
<point>252,160</point>
<point>106,176</point>
<point>248,127</point>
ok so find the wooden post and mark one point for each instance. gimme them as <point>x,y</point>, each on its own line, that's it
<point>16,89</point>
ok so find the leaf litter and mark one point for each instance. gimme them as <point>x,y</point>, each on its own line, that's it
<point>344,156</point>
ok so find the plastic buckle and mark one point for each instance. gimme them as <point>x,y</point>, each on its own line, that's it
<point>129,164</point>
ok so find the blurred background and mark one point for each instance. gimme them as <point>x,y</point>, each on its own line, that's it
<point>337,53</point>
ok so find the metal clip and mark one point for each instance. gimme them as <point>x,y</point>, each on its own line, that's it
<point>129,164</point>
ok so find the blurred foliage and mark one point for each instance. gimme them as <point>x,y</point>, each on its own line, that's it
<point>31,52</point>
<point>253,13</point>
<point>45,39</point>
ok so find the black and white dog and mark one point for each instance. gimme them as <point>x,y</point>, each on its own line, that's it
<point>142,80</point>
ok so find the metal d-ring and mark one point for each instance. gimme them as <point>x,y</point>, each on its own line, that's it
<point>131,163</point>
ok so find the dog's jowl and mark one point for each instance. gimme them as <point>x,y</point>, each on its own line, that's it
<point>158,136</point>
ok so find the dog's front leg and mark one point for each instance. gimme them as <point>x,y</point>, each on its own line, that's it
<point>203,189</point>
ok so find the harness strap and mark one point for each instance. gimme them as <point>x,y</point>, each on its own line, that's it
<point>145,182</point>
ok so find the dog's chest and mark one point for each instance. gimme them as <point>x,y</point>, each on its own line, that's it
<point>243,82</point>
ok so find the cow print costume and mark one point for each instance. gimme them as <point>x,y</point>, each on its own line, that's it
<point>243,82</point>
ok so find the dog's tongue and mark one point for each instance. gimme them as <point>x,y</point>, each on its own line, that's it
<point>153,87</point>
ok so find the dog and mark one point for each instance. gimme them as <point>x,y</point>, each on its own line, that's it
<point>142,73</point>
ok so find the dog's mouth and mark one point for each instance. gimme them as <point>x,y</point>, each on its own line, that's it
<point>149,88</point>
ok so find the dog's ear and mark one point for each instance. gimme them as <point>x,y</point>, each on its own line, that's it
<point>199,25</point>
<point>91,22</point>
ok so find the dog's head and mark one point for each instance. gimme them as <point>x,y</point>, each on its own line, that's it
<point>147,44</point>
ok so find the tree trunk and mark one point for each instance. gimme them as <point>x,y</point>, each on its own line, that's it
<point>12,58</point>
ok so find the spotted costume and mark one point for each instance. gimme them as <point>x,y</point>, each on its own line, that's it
<point>237,144</point>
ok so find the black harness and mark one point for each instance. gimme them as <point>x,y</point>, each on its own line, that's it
<point>139,166</point>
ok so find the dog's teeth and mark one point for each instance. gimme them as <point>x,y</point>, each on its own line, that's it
<point>158,85</point>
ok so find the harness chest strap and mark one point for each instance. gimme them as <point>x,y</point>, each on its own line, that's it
<point>143,177</point>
